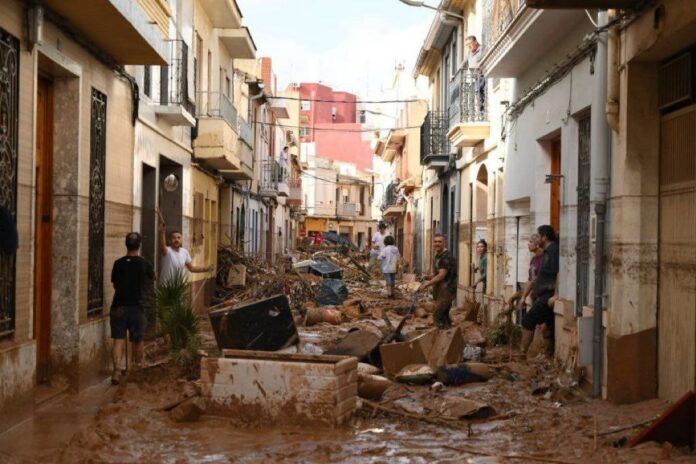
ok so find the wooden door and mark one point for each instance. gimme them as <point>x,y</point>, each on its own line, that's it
<point>555,207</point>
<point>677,255</point>
<point>44,234</point>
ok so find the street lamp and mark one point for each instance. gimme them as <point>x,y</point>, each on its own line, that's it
<point>442,11</point>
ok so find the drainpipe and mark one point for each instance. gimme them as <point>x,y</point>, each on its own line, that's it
<point>600,139</point>
<point>613,99</point>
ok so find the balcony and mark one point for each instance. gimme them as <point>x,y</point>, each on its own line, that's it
<point>174,105</point>
<point>348,210</point>
<point>279,108</point>
<point>222,13</point>
<point>295,197</point>
<point>524,36</point>
<point>238,42</point>
<point>435,147</point>
<point>217,142</point>
<point>468,115</point>
<point>274,178</point>
<point>395,143</point>
<point>393,203</point>
<point>131,32</point>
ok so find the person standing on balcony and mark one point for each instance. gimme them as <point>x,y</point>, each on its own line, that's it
<point>283,158</point>
<point>377,245</point>
<point>480,83</point>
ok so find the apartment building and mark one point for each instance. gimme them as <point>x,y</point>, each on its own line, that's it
<point>68,171</point>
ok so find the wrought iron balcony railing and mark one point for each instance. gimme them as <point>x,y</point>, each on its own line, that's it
<point>216,105</point>
<point>468,102</point>
<point>273,173</point>
<point>174,78</point>
<point>435,145</point>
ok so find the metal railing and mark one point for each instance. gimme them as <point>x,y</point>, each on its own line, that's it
<point>434,141</point>
<point>174,78</point>
<point>468,102</point>
<point>216,105</point>
<point>391,197</point>
<point>245,133</point>
<point>348,209</point>
<point>273,172</point>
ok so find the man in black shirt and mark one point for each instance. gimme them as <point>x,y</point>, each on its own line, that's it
<point>544,287</point>
<point>132,276</point>
<point>444,283</point>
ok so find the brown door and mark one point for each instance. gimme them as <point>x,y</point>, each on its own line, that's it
<point>555,207</point>
<point>677,255</point>
<point>44,218</point>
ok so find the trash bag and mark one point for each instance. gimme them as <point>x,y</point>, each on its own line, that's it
<point>332,292</point>
<point>333,237</point>
<point>458,375</point>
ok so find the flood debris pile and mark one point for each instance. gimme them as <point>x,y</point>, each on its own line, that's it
<point>325,365</point>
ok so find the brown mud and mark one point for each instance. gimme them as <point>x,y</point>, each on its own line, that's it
<point>538,411</point>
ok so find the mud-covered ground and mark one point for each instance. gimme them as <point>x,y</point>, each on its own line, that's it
<point>558,423</point>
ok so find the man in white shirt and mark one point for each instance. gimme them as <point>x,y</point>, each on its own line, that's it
<point>377,244</point>
<point>175,257</point>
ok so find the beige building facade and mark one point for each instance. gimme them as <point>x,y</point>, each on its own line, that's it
<point>67,149</point>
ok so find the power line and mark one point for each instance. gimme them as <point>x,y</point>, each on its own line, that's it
<point>285,126</point>
<point>371,102</point>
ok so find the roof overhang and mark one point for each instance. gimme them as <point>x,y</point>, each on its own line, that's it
<point>121,28</point>
<point>529,37</point>
<point>238,42</point>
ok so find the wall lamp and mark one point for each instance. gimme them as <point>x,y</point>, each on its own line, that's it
<point>424,5</point>
<point>551,178</point>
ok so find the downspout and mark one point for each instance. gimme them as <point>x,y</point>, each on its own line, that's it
<point>600,139</point>
<point>613,98</point>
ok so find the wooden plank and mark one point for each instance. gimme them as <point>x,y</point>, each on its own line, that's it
<point>269,355</point>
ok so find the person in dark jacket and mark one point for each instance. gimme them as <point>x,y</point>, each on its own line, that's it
<point>444,283</point>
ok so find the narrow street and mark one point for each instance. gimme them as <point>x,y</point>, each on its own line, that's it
<point>365,231</point>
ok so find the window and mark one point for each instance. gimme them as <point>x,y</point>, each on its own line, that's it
<point>305,105</point>
<point>97,191</point>
<point>304,131</point>
<point>453,54</point>
<point>228,87</point>
<point>147,81</point>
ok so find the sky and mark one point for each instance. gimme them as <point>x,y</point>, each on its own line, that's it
<point>350,45</point>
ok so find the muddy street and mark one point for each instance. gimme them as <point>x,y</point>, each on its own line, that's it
<point>530,409</point>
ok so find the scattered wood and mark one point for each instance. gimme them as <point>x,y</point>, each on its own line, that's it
<point>455,424</point>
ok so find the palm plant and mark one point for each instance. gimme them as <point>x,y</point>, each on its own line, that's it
<point>176,319</point>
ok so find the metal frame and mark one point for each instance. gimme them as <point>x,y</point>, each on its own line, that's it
<point>97,203</point>
<point>9,138</point>
<point>434,140</point>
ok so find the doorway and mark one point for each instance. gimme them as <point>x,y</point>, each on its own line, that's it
<point>148,226</point>
<point>677,255</point>
<point>555,193</point>
<point>582,248</point>
<point>44,229</point>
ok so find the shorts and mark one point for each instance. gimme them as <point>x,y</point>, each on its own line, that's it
<point>540,313</point>
<point>129,319</point>
<point>390,277</point>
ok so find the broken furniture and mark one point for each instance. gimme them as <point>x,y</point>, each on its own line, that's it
<point>269,388</point>
<point>434,348</point>
<point>333,292</point>
<point>265,325</point>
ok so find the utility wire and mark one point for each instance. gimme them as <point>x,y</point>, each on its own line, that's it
<point>320,100</point>
<point>285,126</point>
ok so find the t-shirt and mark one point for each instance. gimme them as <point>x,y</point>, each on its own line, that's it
<point>446,261</point>
<point>535,266</point>
<point>378,240</point>
<point>173,261</point>
<point>483,267</point>
<point>546,280</point>
<point>390,259</point>
<point>131,276</point>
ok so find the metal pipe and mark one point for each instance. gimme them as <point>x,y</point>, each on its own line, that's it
<point>613,97</point>
<point>600,138</point>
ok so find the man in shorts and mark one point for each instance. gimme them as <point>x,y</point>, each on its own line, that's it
<point>544,288</point>
<point>132,277</point>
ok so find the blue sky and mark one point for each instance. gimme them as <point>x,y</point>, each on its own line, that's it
<point>351,45</point>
